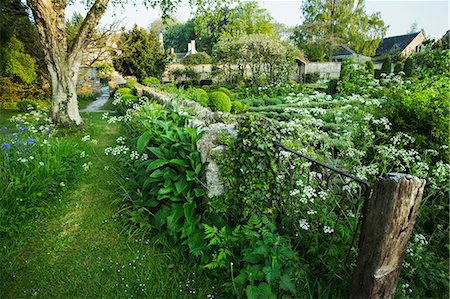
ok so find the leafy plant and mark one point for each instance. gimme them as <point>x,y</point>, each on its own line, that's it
<point>219,101</point>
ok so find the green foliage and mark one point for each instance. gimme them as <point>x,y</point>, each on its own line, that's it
<point>35,169</point>
<point>206,87</point>
<point>84,99</point>
<point>16,63</point>
<point>398,67</point>
<point>408,67</point>
<point>179,35</point>
<point>329,25</point>
<point>123,91</point>
<point>199,95</point>
<point>370,67</point>
<point>312,77</point>
<point>151,81</point>
<point>27,105</point>
<point>238,107</point>
<point>353,80</point>
<point>386,67</point>
<point>197,58</point>
<point>170,180</point>
<point>225,91</point>
<point>139,54</point>
<point>130,83</point>
<point>332,86</point>
<point>219,101</point>
<point>261,262</point>
<point>265,58</point>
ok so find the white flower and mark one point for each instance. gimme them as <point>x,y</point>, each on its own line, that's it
<point>303,224</point>
<point>86,138</point>
<point>41,163</point>
<point>82,154</point>
<point>327,229</point>
<point>134,155</point>
<point>86,166</point>
<point>94,141</point>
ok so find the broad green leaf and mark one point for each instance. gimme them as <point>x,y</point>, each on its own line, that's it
<point>252,292</point>
<point>172,219</point>
<point>196,243</point>
<point>156,164</point>
<point>287,285</point>
<point>164,191</point>
<point>179,162</point>
<point>161,217</point>
<point>143,140</point>
<point>181,185</point>
<point>157,173</point>
<point>157,152</point>
<point>189,211</point>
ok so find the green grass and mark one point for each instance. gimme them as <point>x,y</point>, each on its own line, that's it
<point>108,105</point>
<point>5,115</point>
<point>78,249</point>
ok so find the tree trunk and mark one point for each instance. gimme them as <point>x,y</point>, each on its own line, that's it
<point>63,61</point>
<point>64,96</point>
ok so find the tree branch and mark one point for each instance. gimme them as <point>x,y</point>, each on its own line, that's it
<point>87,28</point>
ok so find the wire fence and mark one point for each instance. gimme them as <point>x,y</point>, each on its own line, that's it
<point>321,206</point>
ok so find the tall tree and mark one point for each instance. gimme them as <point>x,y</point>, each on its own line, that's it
<point>329,24</point>
<point>62,58</point>
<point>139,54</point>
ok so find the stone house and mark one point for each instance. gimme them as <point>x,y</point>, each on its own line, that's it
<point>344,52</point>
<point>405,44</point>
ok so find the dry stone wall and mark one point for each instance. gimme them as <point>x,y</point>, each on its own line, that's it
<point>213,124</point>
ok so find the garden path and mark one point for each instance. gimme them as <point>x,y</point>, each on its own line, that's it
<point>99,102</point>
<point>80,249</point>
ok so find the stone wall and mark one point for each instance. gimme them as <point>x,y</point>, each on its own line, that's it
<point>213,125</point>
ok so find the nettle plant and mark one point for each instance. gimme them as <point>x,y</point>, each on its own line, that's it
<point>259,261</point>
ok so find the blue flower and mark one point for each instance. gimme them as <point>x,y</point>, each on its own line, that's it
<point>14,135</point>
<point>30,141</point>
<point>4,128</point>
<point>47,131</point>
<point>25,129</point>
<point>6,147</point>
<point>19,122</point>
<point>19,128</point>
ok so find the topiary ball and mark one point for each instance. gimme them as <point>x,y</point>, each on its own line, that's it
<point>238,107</point>
<point>225,91</point>
<point>124,91</point>
<point>219,101</point>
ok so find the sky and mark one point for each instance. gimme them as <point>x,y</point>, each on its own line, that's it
<point>431,16</point>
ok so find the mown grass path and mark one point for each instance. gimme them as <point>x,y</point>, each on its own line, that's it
<point>80,251</point>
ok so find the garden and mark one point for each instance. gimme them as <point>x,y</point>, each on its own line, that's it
<point>241,183</point>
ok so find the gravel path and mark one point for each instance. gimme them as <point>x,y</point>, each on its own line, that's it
<point>99,102</point>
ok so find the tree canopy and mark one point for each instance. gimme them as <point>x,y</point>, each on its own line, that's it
<point>139,54</point>
<point>329,24</point>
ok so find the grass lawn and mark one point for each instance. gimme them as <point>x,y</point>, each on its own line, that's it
<point>79,249</point>
<point>5,115</point>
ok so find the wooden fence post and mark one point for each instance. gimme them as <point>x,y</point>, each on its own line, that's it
<point>385,232</point>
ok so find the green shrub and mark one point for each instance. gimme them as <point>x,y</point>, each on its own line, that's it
<point>225,91</point>
<point>386,67</point>
<point>369,67</point>
<point>197,58</point>
<point>312,77</point>
<point>408,67</point>
<point>272,101</point>
<point>238,107</point>
<point>206,87</point>
<point>219,101</point>
<point>27,105</point>
<point>199,95</point>
<point>257,102</point>
<point>206,82</point>
<point>332,85</point>
<point>151,81</point>
<point>123,91</point>
<point>398,67</point>
<point>130,83</point>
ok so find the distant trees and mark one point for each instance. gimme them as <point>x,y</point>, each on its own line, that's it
<point>329,24</point>
<point>255,58</point>
<point>139,54</point>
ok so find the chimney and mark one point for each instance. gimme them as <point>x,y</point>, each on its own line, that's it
<point>189,48</point>
<point>172,51</point>
<point>193,50</point>
<point>161,41</point>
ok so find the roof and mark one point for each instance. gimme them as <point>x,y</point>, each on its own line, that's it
<point>343,50</point>
<point>180,55</point>
<point>395,44</point>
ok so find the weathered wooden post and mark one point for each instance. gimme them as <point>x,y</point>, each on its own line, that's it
<point>390,218</point>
